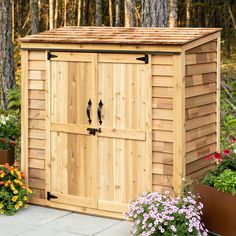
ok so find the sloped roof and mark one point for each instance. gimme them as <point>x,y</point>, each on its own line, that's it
<point>120,35</point>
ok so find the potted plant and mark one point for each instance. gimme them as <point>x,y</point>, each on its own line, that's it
<point>9,135</point>
<point>161,214</point>
<point>14,192</point>
<point>217,191</point>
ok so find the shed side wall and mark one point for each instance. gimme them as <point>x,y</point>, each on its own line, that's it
<point>201,108</point>
<point>162,123</point>
<point>36,123</point>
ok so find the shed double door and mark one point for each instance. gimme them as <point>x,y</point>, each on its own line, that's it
<point>100,129</point>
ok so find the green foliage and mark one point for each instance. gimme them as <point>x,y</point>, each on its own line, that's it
<point>228,102</point>
<point>226,182</point>
<point>14,99</point>
<point>9,131</point>
<point>223,177</point>
<point>14,194</point>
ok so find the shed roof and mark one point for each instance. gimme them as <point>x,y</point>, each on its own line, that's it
<point>120,35</point>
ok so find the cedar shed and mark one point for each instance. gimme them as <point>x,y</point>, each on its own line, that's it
<point>108,113</point>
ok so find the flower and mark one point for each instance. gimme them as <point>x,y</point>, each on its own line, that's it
<point>226,152</point>
<point>157,214</point>
<point>218,156</point>
<point>14,192</point>
<point>14,198</point>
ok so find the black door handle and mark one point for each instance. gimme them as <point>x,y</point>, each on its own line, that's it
<point>100,105</point>
<point>89,107</point>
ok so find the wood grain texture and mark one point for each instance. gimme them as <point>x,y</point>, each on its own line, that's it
<point>113,35</point>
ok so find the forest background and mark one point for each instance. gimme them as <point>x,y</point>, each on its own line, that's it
<point>19,18</point>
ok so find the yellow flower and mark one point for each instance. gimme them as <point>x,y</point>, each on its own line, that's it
<point>29,190</point>
<point>1,211</point>
<point>16,181</point>
<point>2,175</point>
<point>20,183</point>
<point>19,177</point>
<point>20,203</point>
<point>17,206</point>
<point>15,191</point>
<point>13,188</point>
<point>25,198</point>
<point>6,184</point>
<point>12,172</point>
<point>14,198</point>
<point>26,205</point>
<point>1,205</point>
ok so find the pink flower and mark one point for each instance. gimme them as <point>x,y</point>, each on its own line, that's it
<point>218,156</point>
<point>208,157</point>
<point>226,152</point>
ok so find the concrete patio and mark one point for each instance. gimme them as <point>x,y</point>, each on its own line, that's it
<point>38,221</point>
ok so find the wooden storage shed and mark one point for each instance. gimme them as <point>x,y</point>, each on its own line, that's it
<point>108,113</point>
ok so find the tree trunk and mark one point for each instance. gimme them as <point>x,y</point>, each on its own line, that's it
<point>110,13</point>
<point>13,21</point>
<point>173,13</point>
<point>56,13</point>
<point>118,20</point>
<point>34,16</point>
<point>65,12</point>
<point>130,17</point>
<point>51,14</point>
<point>79,12</point>
<point>98,14</point>
<point>7,56</point>
<point>154,13</point>
<point>188,14</point>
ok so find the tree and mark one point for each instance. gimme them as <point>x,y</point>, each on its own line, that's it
<point>173,13</point>
<point>79,12</point>
<point>7,56</point>
<point>65,12</point>
<point>51,14</point>
<point>98,14</point>
<point>188,19</point>
<point>130,17</point>
<point>34,16</point>
<point>118,20</point>
<point>154,13</point>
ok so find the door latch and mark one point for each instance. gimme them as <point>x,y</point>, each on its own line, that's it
<point>93,131</point>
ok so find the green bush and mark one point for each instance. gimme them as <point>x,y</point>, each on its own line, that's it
<point>226,182</point>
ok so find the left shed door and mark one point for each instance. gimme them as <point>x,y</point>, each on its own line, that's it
<point>72,158</point>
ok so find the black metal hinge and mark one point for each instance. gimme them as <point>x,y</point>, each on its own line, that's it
<point>50,196</point>
<point>145,59</point>
<point>50,55</point>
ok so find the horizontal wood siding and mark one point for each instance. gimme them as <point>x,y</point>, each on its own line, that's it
<point>200,110</point>
<point>162,123</point>
<point>37,115</point>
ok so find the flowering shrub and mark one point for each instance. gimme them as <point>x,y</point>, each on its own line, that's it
<point>14,193</point>
<point>160,214</point>
<point>9,131</point>
<point>223,176</point>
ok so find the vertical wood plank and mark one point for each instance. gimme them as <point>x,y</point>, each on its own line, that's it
<point>149,125</point>
<point>218,95</point>
<point>179,122</point>
<point>47,126</point>
<point>24,114</point>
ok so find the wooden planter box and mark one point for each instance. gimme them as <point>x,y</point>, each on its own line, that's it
<point>219,212</point>
<point>7,156</point>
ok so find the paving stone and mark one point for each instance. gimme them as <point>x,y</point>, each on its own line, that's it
<point>12,228</point>
<point>39,231</point>
<point>82,224</point>
<point>121,229</point>
<point>35,215</point>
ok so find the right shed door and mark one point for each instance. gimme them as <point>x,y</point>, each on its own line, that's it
<point>124,144</point>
